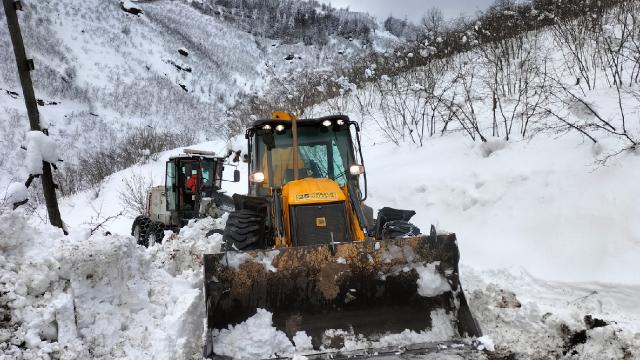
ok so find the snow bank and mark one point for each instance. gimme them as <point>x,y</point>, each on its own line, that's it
<point>101,297</point>
<point>548,317</point>
<point>544,204</point>
<point>33,296</point>
<point>182,253</point>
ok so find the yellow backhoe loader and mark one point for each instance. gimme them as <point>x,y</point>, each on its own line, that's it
<point>329,264</point>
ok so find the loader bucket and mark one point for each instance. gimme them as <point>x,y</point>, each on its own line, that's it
<point>369,288</point>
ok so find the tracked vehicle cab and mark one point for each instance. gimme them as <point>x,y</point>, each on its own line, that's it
<point>193,184</point>
<point>190,178</point>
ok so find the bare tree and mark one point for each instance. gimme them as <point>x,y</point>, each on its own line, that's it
<point>133,196</point>
<point>433,22</point>
<point>463,108</point>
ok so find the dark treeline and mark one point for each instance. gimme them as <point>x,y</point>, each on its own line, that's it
<point>291,20</point>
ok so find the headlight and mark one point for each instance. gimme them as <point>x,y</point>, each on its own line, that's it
<point>326,123</point>
<point>257,177</point>
<point>280,128</point>
<point>266,127</point>
<point>340,122</point>
<point>356,170</point>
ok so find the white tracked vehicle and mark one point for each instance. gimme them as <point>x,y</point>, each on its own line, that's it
<point>192,189</point>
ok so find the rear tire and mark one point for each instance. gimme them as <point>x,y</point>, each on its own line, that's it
<point>155,235</point>
<point>140,229</point>
<point>245,230</point>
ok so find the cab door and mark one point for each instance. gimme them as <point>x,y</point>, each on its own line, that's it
<point>171,188</point>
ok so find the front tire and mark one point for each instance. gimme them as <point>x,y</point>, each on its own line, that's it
<point>245,230</point>
<point>155,234</point>
<point>140,229</point>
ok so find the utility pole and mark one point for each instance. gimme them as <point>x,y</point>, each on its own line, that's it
<point>25,66</point>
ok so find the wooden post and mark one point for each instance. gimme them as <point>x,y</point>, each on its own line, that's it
<point>24,67</point>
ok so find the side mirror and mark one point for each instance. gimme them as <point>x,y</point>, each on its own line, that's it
<point>236,175</point>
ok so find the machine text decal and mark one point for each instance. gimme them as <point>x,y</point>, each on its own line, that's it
<point>317,196</point>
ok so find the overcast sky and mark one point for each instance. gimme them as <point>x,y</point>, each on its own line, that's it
<point>413,9</point>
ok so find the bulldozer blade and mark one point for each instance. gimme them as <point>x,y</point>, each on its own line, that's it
<point>369,288</point>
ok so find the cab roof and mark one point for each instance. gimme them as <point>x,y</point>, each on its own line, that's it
<point>197,155</point>
<point>301,122</point>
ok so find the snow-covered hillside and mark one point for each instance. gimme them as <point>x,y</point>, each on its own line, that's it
<point>174,68</point>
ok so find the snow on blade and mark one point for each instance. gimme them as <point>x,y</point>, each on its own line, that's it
<point>442,329</point>
<point>430,282</point>
<point>253,339</point>
<point>235,259</point>
<point>302,341</point>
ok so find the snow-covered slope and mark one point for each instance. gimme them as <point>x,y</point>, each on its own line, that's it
<point>544,204</point>
<point>102,72</point>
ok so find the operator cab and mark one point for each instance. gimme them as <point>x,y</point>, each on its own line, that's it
<point>304,178</point>
<point>189,179</point>
<point>326,150</point>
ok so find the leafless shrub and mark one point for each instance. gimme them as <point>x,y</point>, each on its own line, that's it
<point>576,113</point>
<point>98,221</point>
<point>463,107</point>
<point>133,195</point>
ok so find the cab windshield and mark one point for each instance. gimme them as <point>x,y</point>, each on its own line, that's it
<point>323,152</point>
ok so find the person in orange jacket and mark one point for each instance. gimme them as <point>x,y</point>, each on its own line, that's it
<point>192,182</point>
